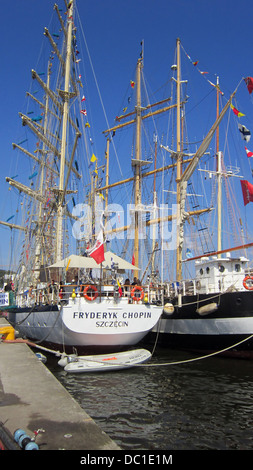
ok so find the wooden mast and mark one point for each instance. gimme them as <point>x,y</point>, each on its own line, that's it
<point>219,170</point>
<point>137,197</point>
<point>183,177</point>
<point>66,97</point>
<point>38,253</point>
<point>107,173</point>
<point>137,161</point>
<point>155,210</point>
<point>179,166</point>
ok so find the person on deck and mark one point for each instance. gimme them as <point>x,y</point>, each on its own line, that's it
<point>52,289</point>
<point>134,283</point>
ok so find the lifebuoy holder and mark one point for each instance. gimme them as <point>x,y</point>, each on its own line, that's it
<point>90,297</point>
<point>139,289</point>
<point>245,281</point>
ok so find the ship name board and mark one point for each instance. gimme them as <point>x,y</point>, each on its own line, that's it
<point>110,315</point>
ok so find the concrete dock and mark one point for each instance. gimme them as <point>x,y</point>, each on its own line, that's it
<point>31,398</point>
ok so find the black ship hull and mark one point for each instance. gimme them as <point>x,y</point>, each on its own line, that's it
<point>209,323</point>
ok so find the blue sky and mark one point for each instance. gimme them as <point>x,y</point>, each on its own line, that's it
<point>218,33</point>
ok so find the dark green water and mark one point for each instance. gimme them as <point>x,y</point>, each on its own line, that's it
<point>201,405</point>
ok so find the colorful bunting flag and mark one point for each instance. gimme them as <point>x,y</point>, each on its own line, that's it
<point>33,175</point>
<point>84,112</point>
<point>249,154</point>
<point>37,119</point>
<point>236,112</point>
<point>216,86</point>
<point>189,253</point>
<point>93,158</point>
<point>132,83</point>
<point>247,191</point>
<point>249,83</point>
<point>245,133</point>
<point>120,289</point>
<point>83,98</point>
<point>203,73</point>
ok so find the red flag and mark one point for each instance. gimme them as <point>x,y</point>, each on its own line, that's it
<point>236,112</point>
<point>133,260</point>
<point>249,83</point>
<point>97,252</point>
<point>247,191</point>
<point>249,153</point>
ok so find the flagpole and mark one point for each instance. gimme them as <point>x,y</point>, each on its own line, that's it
<point>218,169</point>
<point>100,281</point>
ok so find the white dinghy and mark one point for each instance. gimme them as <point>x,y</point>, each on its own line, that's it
<point>104,362</point>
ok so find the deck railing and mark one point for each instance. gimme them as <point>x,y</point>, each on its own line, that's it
<point>223,283</point>
<point>60,294</point>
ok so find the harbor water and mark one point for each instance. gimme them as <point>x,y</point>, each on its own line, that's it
<point>205,404</point>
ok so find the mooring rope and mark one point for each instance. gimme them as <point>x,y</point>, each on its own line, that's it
<point>196,358</point>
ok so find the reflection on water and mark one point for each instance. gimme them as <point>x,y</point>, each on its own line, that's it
<point>207,404</point>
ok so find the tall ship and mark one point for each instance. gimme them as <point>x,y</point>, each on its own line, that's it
<point>68,288</point>
<point>162,245</point>
<point>195,242</point>
<point>210,310</point>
